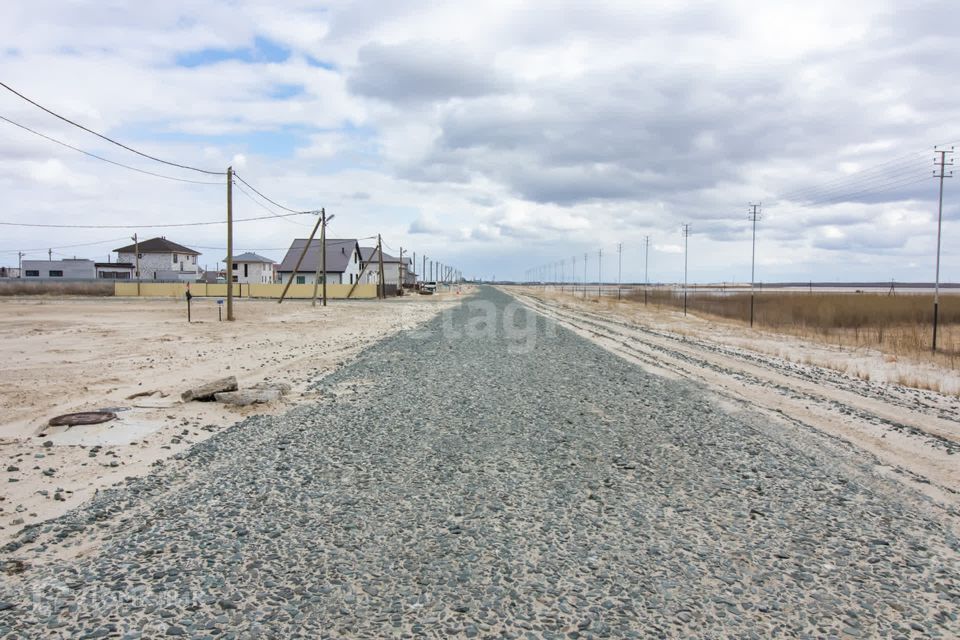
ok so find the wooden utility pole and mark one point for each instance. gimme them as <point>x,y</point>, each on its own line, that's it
<point>300,260</point>
<point>229,244</point>
<point>136,253</point>
<point>322,263</point>
<point>382,289</point>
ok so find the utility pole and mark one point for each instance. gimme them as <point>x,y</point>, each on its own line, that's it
<point>599,274</point>
<point>584,276</point>
<point>753,216</point>
<point>423,275</point>
<point>686,243</point>
<point>136,252</point>
<point>413,265</point>
<point>573,276</point>
<point>936,287</point>
<point>400,272</point>
<point>619,266</point>
<point>49,255</point>
<point>382,291</point>
<point>229,244</point>
<point>563,274</point>
<point>322,263</point>
<point>20,255</point>
<point>646,267</point>
<point>303,253</point>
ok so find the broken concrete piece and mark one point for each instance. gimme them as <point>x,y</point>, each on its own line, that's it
<point>282,387</point>
<point>248,396</point>
<point>207,391</point>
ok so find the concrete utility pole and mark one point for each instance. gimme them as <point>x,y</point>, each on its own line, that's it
<point>584,276</point>
<point>49,255</point>
<point>563,274</point>
<point>619,266</point>
<point>20,255</point>
<point>136,253</point>
<point>229,244</point>
<point>573,275</point>
<point>753,216</point>
<point>646,267</point>
<point>686,243</point>
<point>936,286</point>
<point>599,274</point>
<point>413,265</point>
<point>423,269</point>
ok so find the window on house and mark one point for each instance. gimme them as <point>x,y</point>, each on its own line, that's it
<point>301,279</point>
<point>246,270</point>
<point>56,273</point>
<point>175,258</point>
<point>33,273</point>
<point>235,266</point>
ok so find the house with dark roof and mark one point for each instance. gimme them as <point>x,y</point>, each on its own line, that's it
<point>161,259</point>
<point>252,268</point>
<point>343,261</point>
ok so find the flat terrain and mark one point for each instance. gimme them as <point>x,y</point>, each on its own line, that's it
<point>914,434</point>
<point>76,354</point>
<point>494,475</point>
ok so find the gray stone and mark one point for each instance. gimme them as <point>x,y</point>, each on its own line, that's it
<point>248,396</point>
<point>206,392</point>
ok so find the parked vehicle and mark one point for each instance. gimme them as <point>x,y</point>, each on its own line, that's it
<point>428,288</point>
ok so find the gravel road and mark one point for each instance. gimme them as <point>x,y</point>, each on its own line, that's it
<point>472,481</point>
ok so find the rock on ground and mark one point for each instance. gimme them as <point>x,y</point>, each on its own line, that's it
<point>205,392</point>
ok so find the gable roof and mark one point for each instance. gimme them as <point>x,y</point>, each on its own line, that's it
<point>250,257</point>
<point>369,254</point>
<point>158,245</point>
<point>339,253</point>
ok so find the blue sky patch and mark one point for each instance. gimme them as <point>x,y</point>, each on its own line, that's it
<point>262,51</point>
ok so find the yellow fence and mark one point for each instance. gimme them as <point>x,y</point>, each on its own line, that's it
<point>202,290</point>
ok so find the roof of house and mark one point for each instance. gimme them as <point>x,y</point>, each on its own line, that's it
<point>339,253</point>
<point>158,245</point>
<point>369,254</point>
<point>250,257</point>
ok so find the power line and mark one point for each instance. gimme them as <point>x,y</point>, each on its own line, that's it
<point>110,140</point>
<point>145,226</point>
<point>93,155</point>
<point>896,164</point>
<point>65,246</point>
<point>273,202</point>
<point>264,207</point>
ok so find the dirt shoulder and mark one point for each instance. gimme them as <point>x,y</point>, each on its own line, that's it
<point>913,434</point>
<point>136,357</point>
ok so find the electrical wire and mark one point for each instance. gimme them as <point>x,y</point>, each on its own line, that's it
<point>273,202</point>
<point>265,208</point>
<point>143,226</point>
<point>93,155</point>
<point>110,140</point>
<point>65,246</point>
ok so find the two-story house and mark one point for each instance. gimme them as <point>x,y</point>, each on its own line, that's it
<point>161,259</point>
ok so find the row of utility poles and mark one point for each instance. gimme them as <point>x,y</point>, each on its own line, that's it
<point>543,273</point>
<point>555,272</point>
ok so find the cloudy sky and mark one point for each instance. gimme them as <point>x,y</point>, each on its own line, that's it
<point>497,136</point>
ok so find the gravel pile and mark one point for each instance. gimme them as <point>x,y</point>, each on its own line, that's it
<point>461,486</point>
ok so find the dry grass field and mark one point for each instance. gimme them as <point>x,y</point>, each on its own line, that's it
<point>898,325</point>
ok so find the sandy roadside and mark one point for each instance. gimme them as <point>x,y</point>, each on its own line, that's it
<point>65,355</point>
<point>914,435</point>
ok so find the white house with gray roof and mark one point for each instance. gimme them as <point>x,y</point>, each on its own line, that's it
<point>343,262</point>
<point>250,268</point>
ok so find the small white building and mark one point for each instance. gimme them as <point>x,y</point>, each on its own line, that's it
<point>66,269</point>
<point>161,259</point>
<point>251,268</point>
<point>392,268</point>
<point>343,262</point>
